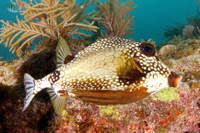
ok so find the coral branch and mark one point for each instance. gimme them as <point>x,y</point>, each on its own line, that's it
<point>114,17</point>
<point>49,18</point>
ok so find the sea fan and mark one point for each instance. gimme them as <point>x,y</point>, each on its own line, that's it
<point>49,18</point>
<point>115,17</point>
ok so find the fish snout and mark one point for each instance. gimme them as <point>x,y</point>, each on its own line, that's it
<point>174,79</point>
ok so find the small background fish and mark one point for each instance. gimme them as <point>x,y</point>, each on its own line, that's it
<point>12,8</point>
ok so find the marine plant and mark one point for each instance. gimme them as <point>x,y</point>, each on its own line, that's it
<point>115,18</point>
<point>180,29</point>
<point>195,21</point>
<point>171,31</point>
<point>50,19</point>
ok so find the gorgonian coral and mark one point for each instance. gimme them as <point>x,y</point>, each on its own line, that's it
<point>49,18</point>
<point>115,17</point>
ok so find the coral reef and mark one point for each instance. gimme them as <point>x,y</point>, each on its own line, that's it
<point>167,111</point>
<point>114,17</point>
<point>40,63</point>
<point>50,19</point>
<point>170,110</point>
<point>167,51</point>
<point>195,21</point>
<point>160,113</point>
<point>7,75</point>
<point>12,117</point>
<point>186,59</point>
<point>144,116</point>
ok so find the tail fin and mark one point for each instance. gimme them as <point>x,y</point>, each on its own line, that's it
<point>29,88</point>
<point>57,100</point>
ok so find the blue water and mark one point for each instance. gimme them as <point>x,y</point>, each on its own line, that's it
<point>150,16</point>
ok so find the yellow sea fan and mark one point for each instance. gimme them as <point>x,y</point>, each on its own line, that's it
<point>20,31</point>
<point>49,18</point>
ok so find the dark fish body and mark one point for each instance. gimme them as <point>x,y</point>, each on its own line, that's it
<point>12,8</point>
<point>110,71</point>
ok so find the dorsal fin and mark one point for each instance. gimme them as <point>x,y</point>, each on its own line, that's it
<point>62,51</point>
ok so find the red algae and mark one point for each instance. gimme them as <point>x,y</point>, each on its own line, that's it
<point>147,115</point>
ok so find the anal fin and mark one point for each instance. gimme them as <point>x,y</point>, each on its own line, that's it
<point>57,100</point>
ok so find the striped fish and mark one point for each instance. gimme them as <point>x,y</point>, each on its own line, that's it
<point>12,8</point>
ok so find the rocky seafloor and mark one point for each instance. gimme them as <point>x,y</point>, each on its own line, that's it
<point>170,110</point>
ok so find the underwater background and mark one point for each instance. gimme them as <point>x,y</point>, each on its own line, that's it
<point>150,16</point>
<point>172,26</point>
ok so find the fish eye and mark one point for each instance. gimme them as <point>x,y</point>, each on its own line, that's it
<point>147,49</point>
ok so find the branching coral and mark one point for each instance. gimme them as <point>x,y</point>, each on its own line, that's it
<point>115,17</point>
<point>49,18</point>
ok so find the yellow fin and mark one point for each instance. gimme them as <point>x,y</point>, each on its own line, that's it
<point>62,51</point>
<point>57,101</point>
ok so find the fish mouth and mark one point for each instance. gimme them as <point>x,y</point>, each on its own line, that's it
<point>174,79</point>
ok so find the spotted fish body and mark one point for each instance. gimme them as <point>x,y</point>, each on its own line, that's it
<point>110,71</point>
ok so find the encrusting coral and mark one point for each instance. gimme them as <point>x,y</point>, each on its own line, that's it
<point>167,50</point>
<point>115,17</point>
<point>49,18</point>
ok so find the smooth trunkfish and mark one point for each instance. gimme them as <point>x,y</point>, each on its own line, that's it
<point>110,71</point>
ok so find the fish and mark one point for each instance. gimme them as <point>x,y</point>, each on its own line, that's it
<point>12,8</point>
<point>110,71</point>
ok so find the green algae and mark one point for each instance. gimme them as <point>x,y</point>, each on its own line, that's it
<point>166,95</point>
<point>106,111</point>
